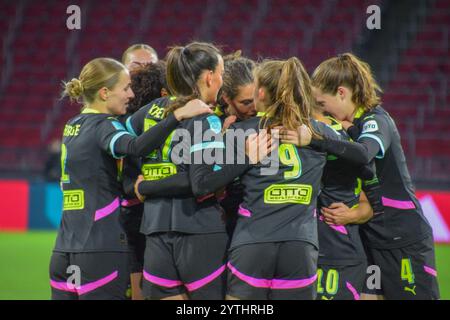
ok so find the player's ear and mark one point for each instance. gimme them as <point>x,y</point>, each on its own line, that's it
<point>261,94</point>
<point>342,92</point>
<point>103,94</point>
<point>208,78</point>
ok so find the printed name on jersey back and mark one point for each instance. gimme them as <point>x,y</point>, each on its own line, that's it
<point>156,111</point>
<point>71,130</point>
<point>370,126</point>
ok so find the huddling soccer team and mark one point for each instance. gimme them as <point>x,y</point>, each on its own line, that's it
<point>138,224</point>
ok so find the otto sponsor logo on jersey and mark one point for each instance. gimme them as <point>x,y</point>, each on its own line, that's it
<point>370,126</point>
<point>73,199</point>
<point>288,193</point>
<point>158,171</point>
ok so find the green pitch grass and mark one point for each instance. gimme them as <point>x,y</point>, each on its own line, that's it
<point>24,259</point>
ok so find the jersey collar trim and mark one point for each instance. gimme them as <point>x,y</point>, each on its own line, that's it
<point>359,113</point>
<point>90,110</point>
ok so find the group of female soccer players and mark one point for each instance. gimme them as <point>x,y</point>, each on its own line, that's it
<point>339,199</point>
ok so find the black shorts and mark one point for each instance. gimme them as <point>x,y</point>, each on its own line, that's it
<point>273,271</point>
<point>340,282</point>
<point>130,218</point>
<point>407,273</point>
<point>102,276</point>
<point>178,263</point>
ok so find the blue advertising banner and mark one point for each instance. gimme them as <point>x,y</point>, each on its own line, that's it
<point>45,207</point>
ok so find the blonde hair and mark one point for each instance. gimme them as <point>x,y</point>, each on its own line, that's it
<point>96,74</point>
<point>135,47</point>
<point>289,94</point>
<point>349,71</point>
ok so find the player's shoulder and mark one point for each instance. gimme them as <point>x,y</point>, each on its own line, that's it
<point>89,117</point>
<point>211,122</point>
<point>374,120</point>
<point>325,130</point>
<point>203,122</point>
<point>337,126</point>
<point>377,113</point>
<point>318,125</point>
<point>252,123</point>
<point>92,124</point>
<point>76,119</point>
<point>164,102</point>
<point>108,123</point>
<point>334,123</point>
<point>158,103</point>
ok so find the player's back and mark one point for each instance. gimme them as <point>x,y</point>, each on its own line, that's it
<point>281,205</point>
<point>184,213</point>
<point>91,189</point>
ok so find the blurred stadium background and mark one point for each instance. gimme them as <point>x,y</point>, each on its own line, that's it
<point>409,55</point>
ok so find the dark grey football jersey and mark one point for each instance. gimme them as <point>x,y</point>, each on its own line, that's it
<point>282,206</point>
<point>403,221</point>
<point>185,213</point>
<point>339,244</point>
<point>91,185</point>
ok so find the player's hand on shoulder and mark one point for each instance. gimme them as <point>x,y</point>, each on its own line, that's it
<point>259,146</point>
<point>300,137</point>
<point>228,122</point>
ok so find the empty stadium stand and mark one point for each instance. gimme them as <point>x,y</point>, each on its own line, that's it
<point>39,52</point>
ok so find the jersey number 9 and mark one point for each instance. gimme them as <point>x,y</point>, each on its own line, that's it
<point>289,156</point>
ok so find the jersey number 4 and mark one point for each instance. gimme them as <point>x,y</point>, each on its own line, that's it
<point>407,273</point>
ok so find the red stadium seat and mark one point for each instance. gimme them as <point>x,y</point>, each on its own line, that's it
<point>416,96</point>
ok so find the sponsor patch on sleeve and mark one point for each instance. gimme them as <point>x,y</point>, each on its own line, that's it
<point>370,126</point>
<point>117,125</point>
<point>214,123</point>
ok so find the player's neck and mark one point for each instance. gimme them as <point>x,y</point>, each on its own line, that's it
<point>356,113</point>
<point>205,96</point>
<point>98,106</point>
<point>353,112</point>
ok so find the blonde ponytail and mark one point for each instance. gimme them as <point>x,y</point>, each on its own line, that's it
<point>289,93</point>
